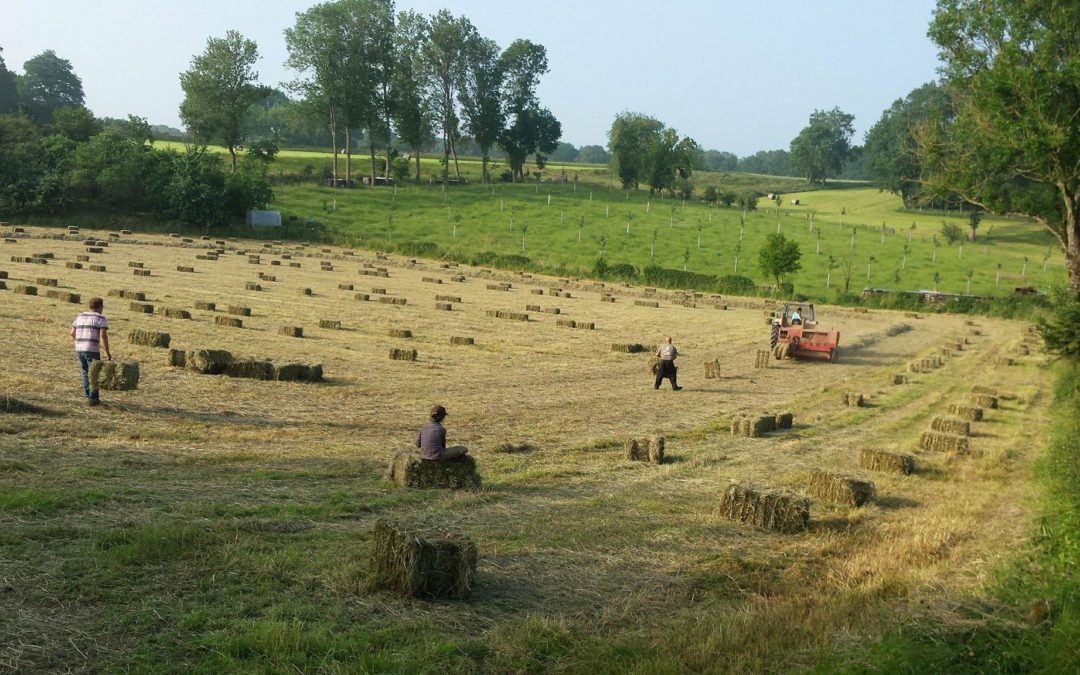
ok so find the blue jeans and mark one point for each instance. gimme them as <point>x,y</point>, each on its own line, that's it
<point>85,359</point>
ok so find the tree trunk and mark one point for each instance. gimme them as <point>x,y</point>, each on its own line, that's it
<point>232,152</point>
<point>371,151</point>
<point>333,141</point>
<point>457,168</point>
<point>971,232</point>
<point>445,157</point>
<point>417,153</point>
<point>1072,240</point>
<point>348,157</point>
<point>483,165</point>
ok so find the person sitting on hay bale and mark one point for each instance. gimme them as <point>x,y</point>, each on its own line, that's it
<point>90,330</point>
<point>667,353</point>
<point>432,439</point>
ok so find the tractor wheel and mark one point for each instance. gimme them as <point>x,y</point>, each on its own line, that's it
<point>834,354</point>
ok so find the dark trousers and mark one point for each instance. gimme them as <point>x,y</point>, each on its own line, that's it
<point>85,359</point>
<point>667,370</point>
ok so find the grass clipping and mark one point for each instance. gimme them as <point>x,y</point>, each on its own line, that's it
<point>114,375</point>
<point>437,565</point>
<point>409,470</point>
<point>777,511</point>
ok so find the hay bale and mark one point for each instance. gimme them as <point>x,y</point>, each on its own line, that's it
<point>294,264</point>
<point>784,420</point>
<point>231,322</point>
<point>183,268</point>
<point>649,449</point>
<point>362,297</point>
<point>252,369</point>
<point>771,510</point>
<point>267,277</point>
<point>712,370</point>
<point>841,489</point>
<point>444,306</point>
<point>966,412</point>
<point>935,442</point>
<point>1004,361</point>
<point>141,308</point>
<point>141,273</point>
<point>586,325</point>
<point>455,340</point>
<point>177,358</point>
<point>207,361</point>
<point>148,338</point>
<point>552,310</point>
<point>387,300</point>
<point>135,264</point>
<point>646,303</point>
<point>631,348</point>
<point>754,427</point>
<point>298,372</point>
<point>379,291</point>
<point>291,331</point>
<point>174,313</point>
<point>607,298</point>
<point>24,290</point>
<point>442,565</point>
<point>204,305</point>
<point>883,460</point>
<point>448,298</point>
<point>306,291</point>
<point>128,295</point>
<point>408,470</point>
<point>345,287</point>
<point>983,389</point>
<point>532,308</point>
<point>537,291</point>
<point>400,333</point>
<point>94,249</point>
<point>431,280</point>
<point>500,314</point>
<point>330,324</point>
<point>761,358</point>
<point>63,296</point>
<point>403,354</point>
<point>239,311</point>
<point>898,378</point>
<point>853,399</point>
<point>114,375</point>
<point>984,400</point>
<point>45,281</point>
<point>97,268</point>
<point>951,426</point>
<point>252,286</point>
<point>566,323</point>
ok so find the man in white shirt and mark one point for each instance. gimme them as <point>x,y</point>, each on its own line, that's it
<point>667,355</point>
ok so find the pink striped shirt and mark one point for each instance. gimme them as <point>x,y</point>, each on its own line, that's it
<point>88,327</point>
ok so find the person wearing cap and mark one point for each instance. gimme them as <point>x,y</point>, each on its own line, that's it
<point>432,439</point>
<point>667,355</point>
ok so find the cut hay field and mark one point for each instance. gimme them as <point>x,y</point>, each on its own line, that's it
<point>214,524</point>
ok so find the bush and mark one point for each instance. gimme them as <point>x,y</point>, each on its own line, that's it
<point>622,271</point>
<point>735,285</point>
<point>710,195</point>
<point>951,232</point>
<point>423,249</point>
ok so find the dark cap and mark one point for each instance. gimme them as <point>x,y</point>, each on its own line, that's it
<point>438,412</point>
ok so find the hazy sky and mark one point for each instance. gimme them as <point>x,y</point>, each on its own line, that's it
<point>736,76</point>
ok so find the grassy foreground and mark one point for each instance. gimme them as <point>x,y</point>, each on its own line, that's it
<point>209,524</point>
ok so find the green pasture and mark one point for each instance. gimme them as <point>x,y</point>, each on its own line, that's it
<point>560,222</point>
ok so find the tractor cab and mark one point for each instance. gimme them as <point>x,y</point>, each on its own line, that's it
<point>795,334</point>
<point>803,311</point>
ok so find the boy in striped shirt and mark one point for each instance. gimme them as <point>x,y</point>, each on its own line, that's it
<point>91,333</point>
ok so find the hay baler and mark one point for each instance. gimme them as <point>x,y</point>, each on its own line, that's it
<point>797,335</point>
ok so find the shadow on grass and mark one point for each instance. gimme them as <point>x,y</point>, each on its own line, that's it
<point>893,502</point>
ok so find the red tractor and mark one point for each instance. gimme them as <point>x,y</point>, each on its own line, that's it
<point>795,334</point>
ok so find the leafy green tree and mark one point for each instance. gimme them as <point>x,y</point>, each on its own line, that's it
<point>9,92</point>
<point>768,162</point>
<point>48,83</point>
<point>823,146</point>
<point>565,152</point>
<point>412,111</point>
<point>75,123</point>
<point>315,44</point>
<point>481,95</point>
<point>1011,71</point>
<point>531,129</point>
<point>219,89</point>
<point>710,195</point>
<point>21,162</point>
<point>629,140</point>
<point>891,149</point>
<point>369,72</point>
<point>748,200</point>
<point>779,257</point>
<point>715,160</point>
<point>592,154</point>
<point>443,62</point>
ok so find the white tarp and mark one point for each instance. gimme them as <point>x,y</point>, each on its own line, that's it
<point>264,218</point>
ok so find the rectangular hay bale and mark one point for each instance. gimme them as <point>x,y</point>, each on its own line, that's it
<point>951,426</point>
<point>408,470</point>
<point>841,489</point>
<point>457,340</point>
<point>230,321</point>
<point>114,375</point>
<point>770,510</point>
<point>403,354</point>
<point>966,412</point>
<point>421,566</point>
<point>148,338</point>
<point>649,449</point>
<point>883,460</point>
<point>937,442</point>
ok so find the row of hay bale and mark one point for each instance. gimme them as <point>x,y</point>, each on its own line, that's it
<point>222,362</point>
<point>759,425</point>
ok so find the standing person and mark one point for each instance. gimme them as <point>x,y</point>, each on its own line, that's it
<point>667,355</point>
<point>432,439</point>
<point>91,333</point>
